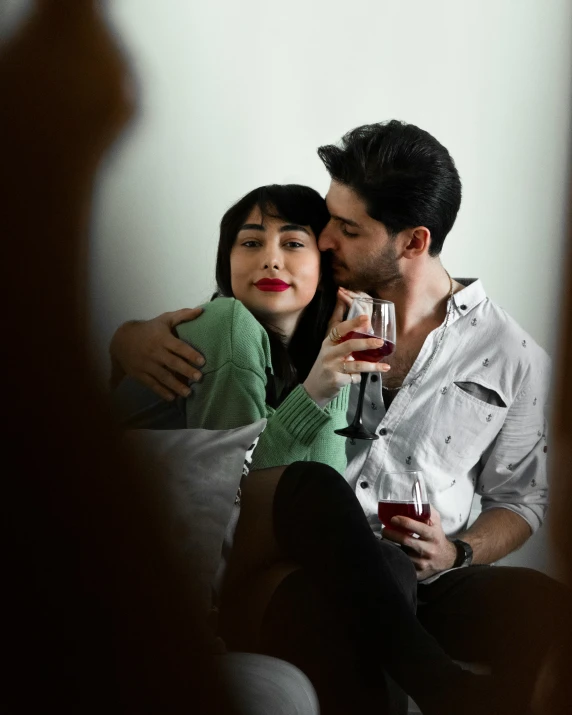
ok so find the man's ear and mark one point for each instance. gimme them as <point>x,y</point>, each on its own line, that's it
<point>416,241</point>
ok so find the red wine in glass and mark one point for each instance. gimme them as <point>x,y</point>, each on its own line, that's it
<point>386,510</point>
<point>402,494</point>
<point>372,354</point>
<point>381,317</point>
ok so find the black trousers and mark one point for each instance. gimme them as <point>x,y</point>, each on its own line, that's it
<point>504,616</point>
<point>349,617</point>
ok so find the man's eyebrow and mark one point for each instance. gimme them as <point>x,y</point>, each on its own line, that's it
<point>345,220</point>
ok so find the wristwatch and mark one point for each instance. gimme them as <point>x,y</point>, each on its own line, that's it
<point>464,553</point>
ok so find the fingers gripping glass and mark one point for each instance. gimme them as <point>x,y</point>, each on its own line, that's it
<point>381,314</point>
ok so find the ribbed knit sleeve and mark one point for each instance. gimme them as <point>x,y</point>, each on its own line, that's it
<point>301,416</point>
<point>299,430</point>
<point>232,392</point>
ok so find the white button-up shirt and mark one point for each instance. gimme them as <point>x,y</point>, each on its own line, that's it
<point>473,423</point>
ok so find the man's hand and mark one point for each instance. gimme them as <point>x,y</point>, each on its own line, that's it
<point>149,352</point>
<point>432,552</point>
<point>343,304</point>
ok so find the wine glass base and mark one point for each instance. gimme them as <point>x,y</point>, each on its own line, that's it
<point>359,432</point>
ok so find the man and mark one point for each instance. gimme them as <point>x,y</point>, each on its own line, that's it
<point>464,400</point>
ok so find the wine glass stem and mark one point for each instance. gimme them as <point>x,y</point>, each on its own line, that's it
<point>363,383</point>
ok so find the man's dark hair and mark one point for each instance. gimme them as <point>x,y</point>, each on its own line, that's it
<point>404,175</point>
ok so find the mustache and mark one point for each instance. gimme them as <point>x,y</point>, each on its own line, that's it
<point>332,261</point>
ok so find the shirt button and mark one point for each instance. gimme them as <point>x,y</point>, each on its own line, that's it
<point>364,485</point>
<point>463,307</point>
<point>374,378</point>
<point>383,431</point>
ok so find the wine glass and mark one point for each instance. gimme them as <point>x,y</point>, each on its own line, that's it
<point>402,494</point>
<point>381,314</point>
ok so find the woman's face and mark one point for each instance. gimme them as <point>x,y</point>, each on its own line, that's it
<point>275,269</point>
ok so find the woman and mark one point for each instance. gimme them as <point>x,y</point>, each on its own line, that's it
<point>263,334</point>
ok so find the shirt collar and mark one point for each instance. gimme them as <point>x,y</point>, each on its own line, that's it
<point>472,294</point>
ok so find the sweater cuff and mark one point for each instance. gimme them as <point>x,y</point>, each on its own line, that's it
<point>301,416</point>
<point>339,403</point>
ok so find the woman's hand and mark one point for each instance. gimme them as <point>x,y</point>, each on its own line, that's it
<point>335,367</point>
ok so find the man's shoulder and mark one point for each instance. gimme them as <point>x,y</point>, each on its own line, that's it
<point>521,363</point>
<point>503,332</point>
<point>506,334</point>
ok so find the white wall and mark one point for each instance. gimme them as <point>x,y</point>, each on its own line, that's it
<point>234,95</point>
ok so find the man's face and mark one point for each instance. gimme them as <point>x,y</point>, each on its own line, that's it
<point>363,253</point>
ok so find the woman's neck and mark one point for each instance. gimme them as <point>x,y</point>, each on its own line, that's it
<point>283,325</point>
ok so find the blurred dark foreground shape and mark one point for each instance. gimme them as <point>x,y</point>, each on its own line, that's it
<point>554,687</point>
<point>97,614</point>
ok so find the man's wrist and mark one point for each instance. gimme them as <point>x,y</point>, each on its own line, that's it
<point>452,554</point>
<point>463,553</point>
<point>117,335</point>
<point>117,370</point>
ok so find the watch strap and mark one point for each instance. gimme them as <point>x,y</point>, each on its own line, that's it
<point>464,553</point>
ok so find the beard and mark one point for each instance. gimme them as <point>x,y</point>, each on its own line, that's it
<point>369,274</point>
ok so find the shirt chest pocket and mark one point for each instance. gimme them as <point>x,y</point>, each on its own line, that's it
<point>463,421</point>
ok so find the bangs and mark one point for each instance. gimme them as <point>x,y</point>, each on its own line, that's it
<point>294,204</point>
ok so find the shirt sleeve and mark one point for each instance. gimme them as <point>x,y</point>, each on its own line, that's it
<point>514,474</point>
<point>135,406</point>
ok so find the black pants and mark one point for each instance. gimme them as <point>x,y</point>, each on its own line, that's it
<point>504,616</point>
<point>348,618</point>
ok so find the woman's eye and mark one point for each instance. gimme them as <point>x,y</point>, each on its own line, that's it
<point>294,244</point>
<point>251,244</point>
<point>347,233</point>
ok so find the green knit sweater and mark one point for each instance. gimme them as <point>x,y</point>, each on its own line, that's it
<point>232,392</point>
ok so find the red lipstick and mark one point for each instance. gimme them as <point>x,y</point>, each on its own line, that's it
<point>272,285</point>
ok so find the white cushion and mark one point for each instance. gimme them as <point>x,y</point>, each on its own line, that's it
<point>201,472</point>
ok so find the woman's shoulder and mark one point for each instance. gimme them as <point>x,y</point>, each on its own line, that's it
<point>226,324</point>
<point>223,312</point>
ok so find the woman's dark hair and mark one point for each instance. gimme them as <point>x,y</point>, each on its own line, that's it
<point>303,206</point>
<point>404,175</point>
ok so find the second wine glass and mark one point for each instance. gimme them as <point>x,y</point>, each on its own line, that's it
<point>402,494</point>
<point>381,314</point>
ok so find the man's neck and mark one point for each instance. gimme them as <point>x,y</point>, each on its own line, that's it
<point>420,297</point>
